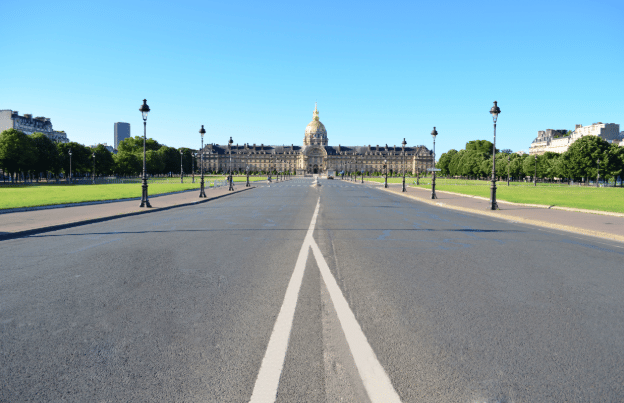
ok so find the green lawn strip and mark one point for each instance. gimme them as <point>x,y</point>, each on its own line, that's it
<point>589,198</point>
<point>51,194</point>
<point>31,196</point>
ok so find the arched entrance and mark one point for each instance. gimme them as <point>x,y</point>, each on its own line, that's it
<point>315,169</point>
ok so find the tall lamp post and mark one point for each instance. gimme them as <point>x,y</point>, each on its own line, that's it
<point>70,176</point>
<point>385,166</point>
<point>508,159</point>
<point>144,111</point>
<point>181,169</point>
<point>231,179</point>
<point>495,111</point>
<point>94,168</point>
<point>194,155</point>
<point>535,176</point>
<point>434,133</point>
<point>202,193</point>
<point>354,168</point>
<point>247,184</point>
<point>403,144</point>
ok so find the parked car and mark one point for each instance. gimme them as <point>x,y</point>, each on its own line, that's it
<point>330,177</point>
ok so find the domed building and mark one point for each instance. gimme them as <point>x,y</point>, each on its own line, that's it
<point>315,156</point>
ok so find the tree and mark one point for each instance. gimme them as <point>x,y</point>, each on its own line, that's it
<point>127,164</point>
<point>104,162</point>
<point>188,162</point>
<point>80,159</point>
<point>135,145</point>
<point>481,146</point>
<point>614,163</point>
<point>171,160</point>
<point>581,159</point>
<point>17,152</point>
<point>154,164</point>
<point>445,161</point>
<point>47,154</point>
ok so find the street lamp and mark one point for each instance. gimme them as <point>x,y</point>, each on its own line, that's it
<point>508,157</point>
<point>495,111</point>
<point>144,111</point>
<point>247,184</point>
<point>94,168</point>
<point>202,193</point>
<point>181,169</point>
<point>403,144</point>
<point>193,166</point>
<point>354,168</point>
<point>434,133</point>
<point>535,176</point>
<point>231,179</point>
<point>70,176</point>
<point>385,166</point>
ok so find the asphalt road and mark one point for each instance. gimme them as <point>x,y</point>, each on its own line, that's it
<point>181,305</point>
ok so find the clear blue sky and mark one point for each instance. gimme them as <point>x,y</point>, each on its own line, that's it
<point>380,71</point>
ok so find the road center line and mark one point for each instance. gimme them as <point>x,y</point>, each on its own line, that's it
<point>267,382</point>
<point>374,377</point>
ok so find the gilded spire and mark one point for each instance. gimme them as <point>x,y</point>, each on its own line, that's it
<point>316,113</point>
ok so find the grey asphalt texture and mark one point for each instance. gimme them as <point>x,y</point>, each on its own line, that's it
<point>180,305</point>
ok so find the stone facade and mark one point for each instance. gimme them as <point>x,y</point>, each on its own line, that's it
<point>558,142</point>
<point>316,156</point>
<point>12,120</point>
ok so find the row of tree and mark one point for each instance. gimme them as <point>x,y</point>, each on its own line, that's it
<point>583,160</point>
<point>39,156</point>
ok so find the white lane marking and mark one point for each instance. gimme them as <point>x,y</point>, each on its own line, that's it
<point>374,377</point>
<point>267,382</point>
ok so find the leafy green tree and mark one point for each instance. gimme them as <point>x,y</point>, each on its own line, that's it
<point>614,163</point>
<point>127,164</point>
<point>188,162</point>
<point>550,162</point>
<point>516,165</point>
<point>581,159</point>
<point>480,146</point>
<point>154,164</point>
<point>104,162</point>
<point>47,154</point>
<point>81,160</point>
<point>445,161</point>
<point>135,145</point>
<point>18,152</point>
<point>171,160</point>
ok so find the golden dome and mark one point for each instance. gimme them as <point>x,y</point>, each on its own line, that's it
<point>315,129</point>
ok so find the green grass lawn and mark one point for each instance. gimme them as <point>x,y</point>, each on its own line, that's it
<point>50,194</point>
<point>590,198</point>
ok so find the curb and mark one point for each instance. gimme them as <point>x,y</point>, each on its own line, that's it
<point>35,231</point>
<point>566,228</point>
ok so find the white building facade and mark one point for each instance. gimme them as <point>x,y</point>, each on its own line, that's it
<point>10,119</point>
<point>557,141</point>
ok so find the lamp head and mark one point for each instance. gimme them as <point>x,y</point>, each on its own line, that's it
<point>231,141</point>
<point>144,109</point>
<point>434,133</point>
<point>404,143</point>
<point>202,131</point>
<point>495,111</point>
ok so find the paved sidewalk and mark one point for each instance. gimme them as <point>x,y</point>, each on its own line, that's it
<point>596,223</point>
<point>24,223</point>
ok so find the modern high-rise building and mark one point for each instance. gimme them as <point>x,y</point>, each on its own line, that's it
<point>122,131</point>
